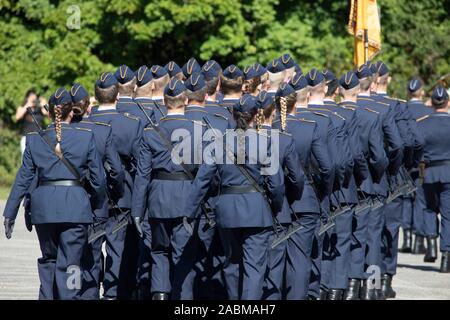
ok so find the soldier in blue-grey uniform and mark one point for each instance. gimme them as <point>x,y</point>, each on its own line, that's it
<point>294,181</point>
<point>231,82</point>
<point>368,125</point>
<point>206,279</point>
<point>394,149</point>
<point>61,209</point>
<point>417,219</point>
<point>276,71</point>
<point>93,257</point>
<point>161,187</point>
<point>312,147</point>
<point>435,129</point>
<point>289,65</point>
<point>243,213</point>
<point>252,81</point>
<point>191,67</point>
<point>126,129</point>
<point>212,71</point>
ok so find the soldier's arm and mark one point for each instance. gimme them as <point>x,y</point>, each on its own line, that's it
<point>402,119</point>
<point>143,176</point>
<point>115,171</point>
<point>360,168</point>
<point>97,178</point>
<point>295,177</point>
<point>378,160</point>
<point>320,152</point>
<point>24,178</point>
<point>394,142</point>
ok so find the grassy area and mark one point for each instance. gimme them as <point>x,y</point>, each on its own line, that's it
<point>4,192</point>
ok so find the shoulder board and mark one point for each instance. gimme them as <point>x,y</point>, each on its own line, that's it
<point>104,114</point>
<point>338,115</point>
<point>309,121</point>
<point>126,114</point>
<point>84,129</point>
<point>401,100</point>
<point>286,133</point>
<point>102,123</point>
<point>348,107</point>
<point>148,128</point>
<point>33,132</point>
<point>371,110</point>
<point>197,110</point>
<point>198,123</point>
<point>384,103</point>
<point>167,119</point>
<point>366,98</point>
<point>220,116</point>
<point>321,114</point>
<point>423,118</point>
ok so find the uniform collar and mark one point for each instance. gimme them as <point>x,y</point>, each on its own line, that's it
<point>143,98</point>
<point>174,115</point>
<point>266,126</point>
<point>103,108</point>
<point>315,103</point>
<point>158,98</point>
<point>364,94</point>
<point>440,114</point>
<point>329,100</point>
<point>125,97</point>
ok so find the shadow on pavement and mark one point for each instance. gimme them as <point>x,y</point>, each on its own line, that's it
<point>415,267</point>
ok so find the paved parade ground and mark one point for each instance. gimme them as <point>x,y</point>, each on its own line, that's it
<point>19,279</point>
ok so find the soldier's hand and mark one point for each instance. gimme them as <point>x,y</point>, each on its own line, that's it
<point>137,223</point>
<point>9,226</point>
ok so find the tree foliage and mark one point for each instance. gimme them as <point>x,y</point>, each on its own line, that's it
<point>38,50</point>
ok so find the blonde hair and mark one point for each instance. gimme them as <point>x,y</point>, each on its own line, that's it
<point>283,113</point>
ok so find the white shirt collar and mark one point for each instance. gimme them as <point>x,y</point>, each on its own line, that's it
<point>328,100</point>
<point>175,114</point>
<point>143,98</point>
<point>315,102</point>
<point>100,107</point>
<point>125,97</point>
<point>381,92</point>
<point>364,94</point>
<point>158,98</point>
<point>228,99</point>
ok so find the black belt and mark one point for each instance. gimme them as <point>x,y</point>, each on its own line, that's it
<point>237,190</point>
<point>174,176</point>
<point>437,163</point>
<point>60,183</point>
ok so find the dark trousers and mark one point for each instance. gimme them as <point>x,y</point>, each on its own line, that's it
<point>389,239</point>
<point>276,267</point>
<point>426,216</point>
<point>92,265</point>
<point>319,275</point>
<point>373,248</point>
<point>298,259</point>
<point>59,267</point>
<point>437,197</point>
<point>121,259</point>
<point>144,259</point>
<point>246,252</point>
<point>173,256</point>
<point>358,244</point>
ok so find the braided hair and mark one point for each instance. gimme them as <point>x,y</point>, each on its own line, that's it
<point>285,105</point>
<point>59,113</point>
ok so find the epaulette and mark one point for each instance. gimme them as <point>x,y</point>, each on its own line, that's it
<point>305,120</point>
<point>198,110</point>
<point>348,107</point>
<point>220,116</point>
<point>85,129</point>
<point>371,110</point>
<point>321,114</point>
<point>366,98</point>
<point>167,119</point>
<point>103,114</point>
<point>126,114</point>
<point>33,132</point>
<point>423,118</point>
<point>102,123</point>
<point>198,123</point>
<point>148,128</point>
<point>286,133</point>
<point>338,115</point>
<point>386,104</point>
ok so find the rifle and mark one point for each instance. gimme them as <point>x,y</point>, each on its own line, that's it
<point>210,222</point>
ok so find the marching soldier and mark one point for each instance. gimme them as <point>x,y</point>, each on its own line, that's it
<point>191,67</point>
<point>244,214</point>
<point>119,278</point>
<point>160,80</point>
<point>231,81</point>
<point>277,74</point>
<point>211,70</point>
<point>289,65</point>
<point>423,220</point>
<point>93,257</point>
<point>252,81</point>
<point>311,146</point>
<point>435,129</point>
<point>61,156</point>
<point>294,182</point>
<point>161,187</point>
<point>174,70</point>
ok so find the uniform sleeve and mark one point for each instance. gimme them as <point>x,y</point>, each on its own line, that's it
<point>142,178</point>
<point>360,168</point>
<point>378,160</point>
<point>295,177</point>
<point>320,152</point>
<point>419,143</point>
<point>346,156</point>
<point>23,181</point>
<point>394,143</point>
<point>96,176</point>
<point>113,166</point>
<point>136,144</point>
<point>402,119</point>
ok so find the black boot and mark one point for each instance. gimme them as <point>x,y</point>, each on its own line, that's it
<point>323,294</point>
<point>407,241</point>
<point>445,262</point>
<point>431,254</point>
<point>419,246</point>
<point>143,292</point>
<point>335,294</point>
<point>368,294</point>
<point>160,296</point>
<point>353,290</point>
<point>386,287</point>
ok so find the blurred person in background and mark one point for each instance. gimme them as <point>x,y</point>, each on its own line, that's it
<point>33,101</point>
